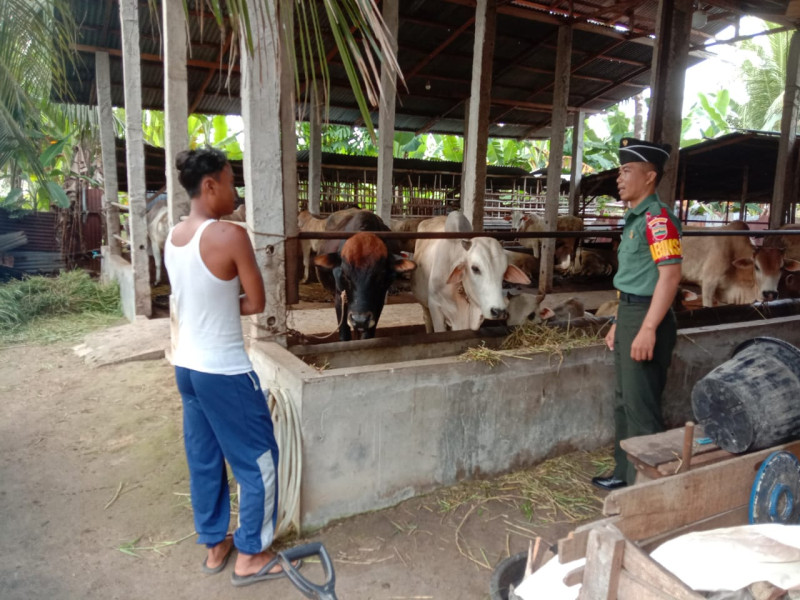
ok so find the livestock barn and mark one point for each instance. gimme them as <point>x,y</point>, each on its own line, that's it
<point>392,417</point>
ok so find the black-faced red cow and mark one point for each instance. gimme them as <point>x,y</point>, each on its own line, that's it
<point>358,271</point>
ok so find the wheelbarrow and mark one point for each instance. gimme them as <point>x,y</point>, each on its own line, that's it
<point>309,589</point>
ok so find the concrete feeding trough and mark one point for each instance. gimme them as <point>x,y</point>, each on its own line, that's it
<point>390,418</point>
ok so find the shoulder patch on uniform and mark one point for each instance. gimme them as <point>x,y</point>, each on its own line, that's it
<point>663,237</point>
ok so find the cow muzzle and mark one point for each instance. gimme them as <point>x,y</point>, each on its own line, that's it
<point>769,295</point>
<point>361,320</point>
<point>499,313</point>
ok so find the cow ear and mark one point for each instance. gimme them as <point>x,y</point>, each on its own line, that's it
<point>328,261</point>
<point>466,244</point>
<point>514,274</point>
<point>403,265</point>
<point>790,264</point>
<point>743,263</point>
<point>457,274</point>
<point>546,313</point>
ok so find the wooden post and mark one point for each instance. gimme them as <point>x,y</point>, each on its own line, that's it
<point>558,126</point>
<point>670,58</point>
<point>383,203</point>
<point>109,151</point>
<point>315,152</point>
<point>176,106</point>
<point>473,185</point>
<point>745,183</point>
<point>263,167</point>
<point>134,141</point>
<point>293,255</point>
<point>577,162</point>
<point>782,193</point>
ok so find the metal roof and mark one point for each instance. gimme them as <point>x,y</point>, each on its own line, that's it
<point>713,170</point>
<point>611,56</point>
<point>334,167</point>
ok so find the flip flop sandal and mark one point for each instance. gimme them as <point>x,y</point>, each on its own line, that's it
<point>221,566</point>
<point>263,575</point>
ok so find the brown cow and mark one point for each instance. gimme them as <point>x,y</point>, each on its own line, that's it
<point>358,271</point>
<point>730,271</point>
<point>565,247</point>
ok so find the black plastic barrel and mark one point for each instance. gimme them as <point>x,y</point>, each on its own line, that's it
<point>752,401</point>
<point>509,571</point>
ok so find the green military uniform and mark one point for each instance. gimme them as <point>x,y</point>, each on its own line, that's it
<point>651,237</point>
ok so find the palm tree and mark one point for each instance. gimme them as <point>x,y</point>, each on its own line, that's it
<point>765,79</point>
<point>33,35</point>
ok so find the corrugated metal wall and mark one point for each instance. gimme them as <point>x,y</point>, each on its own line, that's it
<point>39,227</point>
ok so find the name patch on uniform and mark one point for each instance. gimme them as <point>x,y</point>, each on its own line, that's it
<point>663,237</point>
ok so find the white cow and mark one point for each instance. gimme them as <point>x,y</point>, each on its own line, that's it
<point>157,230</point>
<point>460,282</point>
<point>309,222</point>
<point>730,271</point>
<point>564,247</point>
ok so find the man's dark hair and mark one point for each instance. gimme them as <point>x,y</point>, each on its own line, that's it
<point>193,165</point>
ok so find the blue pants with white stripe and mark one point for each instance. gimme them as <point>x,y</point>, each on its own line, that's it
<point>225,417</point>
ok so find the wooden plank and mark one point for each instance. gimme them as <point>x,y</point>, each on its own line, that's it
<point>573,546</point>
<point>386,118</point>
<point>782,192</point>
<point>102,77</point>
<point>473,183</point>
<point>604,559</point>
<point>662,505</point>
<point>731,518</point>
<point>707,458</point>
<point>639,566</point>
<point>558,126</point>
<point>665,447</point>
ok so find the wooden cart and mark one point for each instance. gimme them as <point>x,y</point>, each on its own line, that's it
<point>639,518</point>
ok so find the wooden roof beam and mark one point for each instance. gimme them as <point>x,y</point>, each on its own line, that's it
<point>440,48</point>
<point>191,62</point>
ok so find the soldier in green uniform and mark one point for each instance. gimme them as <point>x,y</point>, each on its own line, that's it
<point>644,334</point>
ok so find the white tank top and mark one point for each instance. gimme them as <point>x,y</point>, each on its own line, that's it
<point>209,323</point>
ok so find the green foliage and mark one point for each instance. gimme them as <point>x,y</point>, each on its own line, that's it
<point>37,304</point>
<point>765,78</point>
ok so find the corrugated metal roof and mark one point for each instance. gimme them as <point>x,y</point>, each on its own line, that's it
<point>714,169</point>
<point>609,46</point>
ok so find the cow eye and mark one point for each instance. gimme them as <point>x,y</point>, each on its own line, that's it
<point>476,270</point>
<point>757,267</point>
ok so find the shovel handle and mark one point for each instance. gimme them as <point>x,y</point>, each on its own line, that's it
<point>310,590</point>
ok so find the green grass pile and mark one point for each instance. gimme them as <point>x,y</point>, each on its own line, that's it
<point>48,309</point>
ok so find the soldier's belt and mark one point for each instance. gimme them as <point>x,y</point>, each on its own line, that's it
<point>634,298</point>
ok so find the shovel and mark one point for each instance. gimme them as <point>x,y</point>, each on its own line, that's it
<point>322,591</point>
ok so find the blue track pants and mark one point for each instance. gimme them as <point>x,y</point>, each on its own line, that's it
<point>225,417</point>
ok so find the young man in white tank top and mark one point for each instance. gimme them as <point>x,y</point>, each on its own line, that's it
<point>225,411</point>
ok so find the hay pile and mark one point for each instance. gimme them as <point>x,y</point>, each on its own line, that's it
<point>535,338</point>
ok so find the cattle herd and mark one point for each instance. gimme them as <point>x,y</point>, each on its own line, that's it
<point>462,282</point>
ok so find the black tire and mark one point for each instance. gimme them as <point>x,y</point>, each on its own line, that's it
<point>508,571</point>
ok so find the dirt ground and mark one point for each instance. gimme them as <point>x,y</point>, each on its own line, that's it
<point>94,501</point>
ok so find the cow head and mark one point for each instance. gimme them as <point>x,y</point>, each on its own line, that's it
<point>363,269</point>
<point>523,307</point>
<point>767,265</point>
<point>481,274</point>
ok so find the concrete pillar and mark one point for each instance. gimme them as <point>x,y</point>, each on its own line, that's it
<point>315,152</point>
<point>558,126</point>
<point>670,58</point>
<point>176,105</point>
<point>473,184</point>
<point>783,192</point>
<point>383,206</point>
<point>134,141</point>
<point>577,162</point>
<point>108,149</point>
<point>263,168</point>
